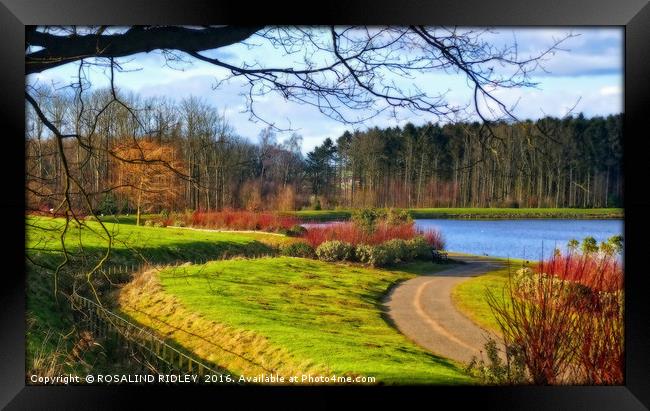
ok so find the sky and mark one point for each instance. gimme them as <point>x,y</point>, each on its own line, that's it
<point>585,73</point>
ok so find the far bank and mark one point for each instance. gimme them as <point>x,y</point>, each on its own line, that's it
<point>476,213</point>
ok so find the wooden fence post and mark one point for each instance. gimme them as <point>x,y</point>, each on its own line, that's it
<point>93,321</point>
<point>155,353</point>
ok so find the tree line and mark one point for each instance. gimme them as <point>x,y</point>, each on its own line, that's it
<point>126,153</point>
<point>551,162</point>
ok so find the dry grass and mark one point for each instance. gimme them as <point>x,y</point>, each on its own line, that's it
<point>244,352</point>
<point>48,363</point>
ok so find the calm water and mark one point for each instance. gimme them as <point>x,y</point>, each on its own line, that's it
<point>517,238</point>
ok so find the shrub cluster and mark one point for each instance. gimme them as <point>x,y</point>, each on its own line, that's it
<point>335,251</point>
<point>353,234</point>
<point>300,249</point>
<point>367,219</point>
<point>378,255</point>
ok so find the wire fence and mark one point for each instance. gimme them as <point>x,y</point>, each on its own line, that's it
<point>160,355</point>
<point>123,273</point>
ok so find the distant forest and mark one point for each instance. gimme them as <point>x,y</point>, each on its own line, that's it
<point>156,154</point>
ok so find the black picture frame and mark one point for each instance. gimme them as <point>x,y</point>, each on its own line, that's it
<point>634,15</point>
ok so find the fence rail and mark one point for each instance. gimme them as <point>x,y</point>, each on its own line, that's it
<point>123,273</point>
<point>105,323</point>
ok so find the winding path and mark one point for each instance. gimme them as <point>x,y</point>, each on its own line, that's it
<point>421,308</point>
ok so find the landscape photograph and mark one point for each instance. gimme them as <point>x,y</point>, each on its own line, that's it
<point>324,205</point>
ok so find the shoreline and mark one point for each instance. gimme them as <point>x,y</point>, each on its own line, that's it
<point>478,214</point>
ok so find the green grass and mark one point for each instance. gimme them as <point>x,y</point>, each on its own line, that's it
<point>158,245</point>
<point>334,309</point>
<point>488,213</point>
<point>470,296</point>
<point>326,315</point>
<point>127,219</point>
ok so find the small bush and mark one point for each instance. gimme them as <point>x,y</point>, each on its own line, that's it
<point>397,251</point>
<point>107,205</point>
<point>364,253</point>
<point>495,370</point>
<point>335,251</point>
<point>148,223</point>
<point>366,219</point>
<point>296,231</point>
<point>397,216</point>
<point>419,248</point>
<point>303,250</point>
<point>375,256</point>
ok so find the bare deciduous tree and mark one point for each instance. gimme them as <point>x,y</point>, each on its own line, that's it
<point>347,73</point>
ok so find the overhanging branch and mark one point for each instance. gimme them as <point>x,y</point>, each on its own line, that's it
<point>58,50</point>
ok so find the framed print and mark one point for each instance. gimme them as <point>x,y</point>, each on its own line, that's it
<point>387,201</point>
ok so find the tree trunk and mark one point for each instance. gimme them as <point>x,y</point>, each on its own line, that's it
<point>137,218</point>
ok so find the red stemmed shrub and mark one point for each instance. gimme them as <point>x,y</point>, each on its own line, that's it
<point>353,234</point>
<point>564,319</point>
<point>596,271</point>
<point>597,307</point>
<point>434,238</point>
<point>240,220</point>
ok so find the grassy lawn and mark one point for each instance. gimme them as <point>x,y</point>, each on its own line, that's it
<point>490,213</point>
<point>470,296</point>
<point>288,316</point>
<point>158,245</point>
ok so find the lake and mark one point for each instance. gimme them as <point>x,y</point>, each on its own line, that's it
<point>519,238</point>
<point>523,239</point>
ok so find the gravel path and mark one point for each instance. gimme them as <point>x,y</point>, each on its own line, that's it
<point>421,308</point>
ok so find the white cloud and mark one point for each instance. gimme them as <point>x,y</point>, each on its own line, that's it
<point>610,90</point>
<point>588,71</point>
